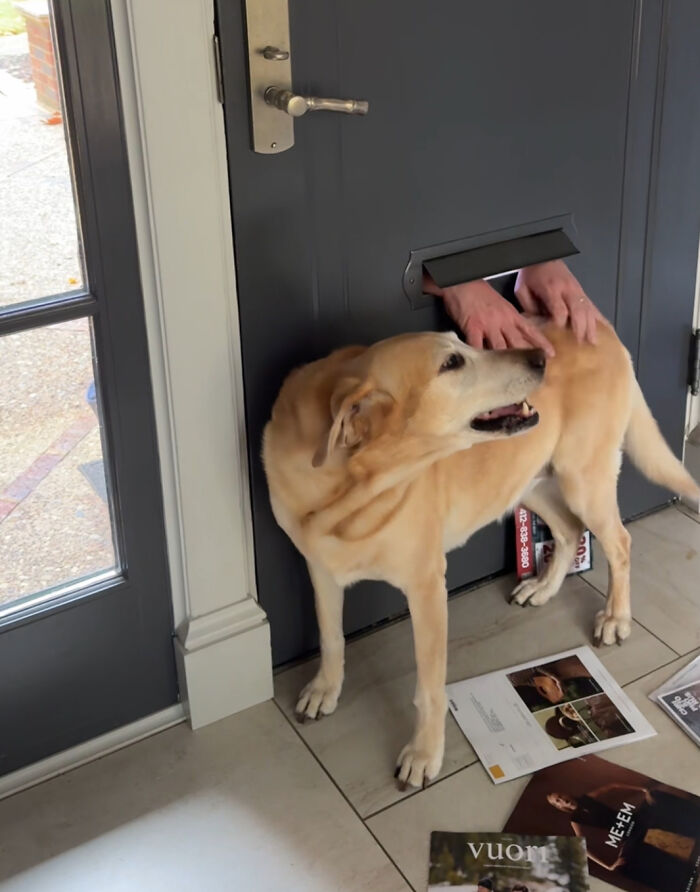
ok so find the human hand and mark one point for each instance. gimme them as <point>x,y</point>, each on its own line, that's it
<point>555,287</point>
<point>486,318</point>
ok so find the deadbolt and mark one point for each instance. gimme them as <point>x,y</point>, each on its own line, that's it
<point>274,54</point>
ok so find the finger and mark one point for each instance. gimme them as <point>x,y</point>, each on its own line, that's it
<point>474,335</point>
<point>526,299</point>
<point>592,308</point>
<point>592,328</point>
<point>558,310</point>
<point>515,338</point>
<point>496,339</point>
<point>579,317</point>
<point>536,338</point>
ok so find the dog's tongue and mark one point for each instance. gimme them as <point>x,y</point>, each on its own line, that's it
<point>513,409</point>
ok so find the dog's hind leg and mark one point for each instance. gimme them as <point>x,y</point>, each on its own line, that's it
<point>591,492</point>
<point>320,696</point>
<point>421,759</point>
<point>546,500</point>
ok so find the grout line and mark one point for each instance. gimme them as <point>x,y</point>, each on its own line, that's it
<point>352,807</point>
<point>650,672</point>
<point>435,783</point>
<point>693,650</point>
<point>639,623</point>
<point>686,512</point>
<point>594,587</point>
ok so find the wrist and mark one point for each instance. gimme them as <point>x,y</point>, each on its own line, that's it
<point>478,290</point>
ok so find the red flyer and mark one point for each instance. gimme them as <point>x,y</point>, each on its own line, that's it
<point>534,546</point>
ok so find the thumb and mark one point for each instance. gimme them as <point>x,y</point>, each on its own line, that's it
<point>526,299</point>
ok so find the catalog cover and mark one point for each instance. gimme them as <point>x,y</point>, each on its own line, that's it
<point>534,546</point>
<point>680,698</point>
<point>543,712</point>
<point>499,862</point>
<point>641,835</point>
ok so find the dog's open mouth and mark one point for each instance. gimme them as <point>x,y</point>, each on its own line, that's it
<point>506,419</point>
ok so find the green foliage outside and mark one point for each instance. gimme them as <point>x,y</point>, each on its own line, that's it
<point>11,22</point>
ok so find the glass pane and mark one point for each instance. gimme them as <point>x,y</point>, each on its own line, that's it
<point>55,518</point>
<point>40,254</point>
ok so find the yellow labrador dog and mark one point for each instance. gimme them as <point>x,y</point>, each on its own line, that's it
<point>381,459</point>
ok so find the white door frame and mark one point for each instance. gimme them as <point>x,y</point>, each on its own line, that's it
<point>177,156</point>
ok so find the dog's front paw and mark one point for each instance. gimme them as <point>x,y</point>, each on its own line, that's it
<point>533,592</point>
<point>319,697</point>
<point>611,629</point>
<point>418,764</point>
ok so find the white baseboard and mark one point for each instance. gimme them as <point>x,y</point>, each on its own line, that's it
<point>223,661</point>
<point>90,750</point>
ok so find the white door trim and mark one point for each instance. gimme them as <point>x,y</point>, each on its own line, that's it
<point>93,749</point>
<point>177,156</point>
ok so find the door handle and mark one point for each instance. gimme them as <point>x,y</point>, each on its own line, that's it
<point>296,106</point>
<point>270,80</point>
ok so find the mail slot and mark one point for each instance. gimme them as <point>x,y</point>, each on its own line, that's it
<point>489,254</point>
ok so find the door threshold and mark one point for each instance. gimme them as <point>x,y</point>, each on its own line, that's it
<point>91,750</point>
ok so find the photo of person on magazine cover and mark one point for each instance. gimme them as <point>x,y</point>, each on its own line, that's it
<point>553,683</point>
<point>641,835</point>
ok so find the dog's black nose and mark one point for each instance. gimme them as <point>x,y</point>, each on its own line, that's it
<point>536,359</point>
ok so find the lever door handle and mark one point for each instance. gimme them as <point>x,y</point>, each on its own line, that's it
<point>294,105</point>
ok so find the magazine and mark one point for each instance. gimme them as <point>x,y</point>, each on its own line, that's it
<point>499,862</point>
<point>641,835</point>
<point>680,698</point>
<point>534,546</point>
<point>543,712</point>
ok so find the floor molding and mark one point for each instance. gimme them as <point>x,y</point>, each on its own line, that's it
<point>90,750</point>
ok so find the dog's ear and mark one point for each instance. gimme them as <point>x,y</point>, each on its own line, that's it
<point>358,412</point>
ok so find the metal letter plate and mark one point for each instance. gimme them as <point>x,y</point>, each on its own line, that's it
<point>267,24</point>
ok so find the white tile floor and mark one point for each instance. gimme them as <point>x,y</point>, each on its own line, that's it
<point>259,802</point>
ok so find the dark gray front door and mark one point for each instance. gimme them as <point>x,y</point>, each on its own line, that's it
<point>483,116</point>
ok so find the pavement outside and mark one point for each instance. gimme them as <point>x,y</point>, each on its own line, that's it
<point>54,521</point>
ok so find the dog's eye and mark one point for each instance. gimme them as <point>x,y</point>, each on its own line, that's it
<point>453,361</point>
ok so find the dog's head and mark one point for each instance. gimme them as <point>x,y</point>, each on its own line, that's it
<point>432,385</point>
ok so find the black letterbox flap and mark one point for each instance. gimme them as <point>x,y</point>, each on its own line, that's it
<point>488,254</point>
<point>498,257</point>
